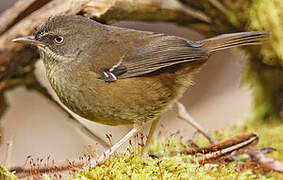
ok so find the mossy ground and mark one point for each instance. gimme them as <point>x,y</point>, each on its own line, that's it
<point>131,166</point>
<point>267,15</point>
<point>6,175</point>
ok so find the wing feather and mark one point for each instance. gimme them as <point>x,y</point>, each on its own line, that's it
<point>162,51</point>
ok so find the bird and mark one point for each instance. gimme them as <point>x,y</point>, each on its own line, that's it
<point>119,76</point>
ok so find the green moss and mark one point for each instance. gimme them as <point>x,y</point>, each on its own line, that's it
<point>5,174</point>
<point>268,15</point>
<point>264,72</point>
<point>270,135</point>
<point>131,166</point>
<point>46,177</point>
<point>266,83</point>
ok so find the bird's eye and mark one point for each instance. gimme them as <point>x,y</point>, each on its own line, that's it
<point>58,39</point>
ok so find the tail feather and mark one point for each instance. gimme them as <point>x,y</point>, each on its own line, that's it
<point>226,41</point>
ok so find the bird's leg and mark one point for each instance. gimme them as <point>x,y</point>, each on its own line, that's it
<point>107,154</point>
<point>184,115</point>
<point>149,137</point>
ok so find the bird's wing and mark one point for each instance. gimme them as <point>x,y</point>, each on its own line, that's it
<point>161,51</point>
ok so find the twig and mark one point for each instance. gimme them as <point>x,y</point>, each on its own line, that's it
<point>175,4</point>
<point>223,149</point>
<point>22,172</point>
<point>229,147</point>
<point>18,11</point>
<point>219,6</point>
<point>267,163</point>
<point>184,115</point>
<point>12,13</point>
<point>197,14</point>
<point>3,104</point>
<point>8,153</point>
<point>160,170</point>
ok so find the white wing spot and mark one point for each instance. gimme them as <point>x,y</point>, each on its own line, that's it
<point>105,74</point>
<point>116,65</point>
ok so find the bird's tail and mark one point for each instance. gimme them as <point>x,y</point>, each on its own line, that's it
<point>226,41</point>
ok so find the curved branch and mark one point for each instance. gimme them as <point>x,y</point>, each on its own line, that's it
<point>18,11</point>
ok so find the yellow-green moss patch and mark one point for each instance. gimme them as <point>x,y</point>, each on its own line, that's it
<point>268,15</point>
<point>131,166</point>
<point>6,175</point>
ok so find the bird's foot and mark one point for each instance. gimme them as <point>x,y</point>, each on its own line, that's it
<point>154,156</point>
<point>107,154</point>
<point>95,162</point>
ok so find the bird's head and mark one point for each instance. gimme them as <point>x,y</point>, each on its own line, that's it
<point>63,38</point>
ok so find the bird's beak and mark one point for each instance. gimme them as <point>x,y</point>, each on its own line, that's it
<point>27,40</point>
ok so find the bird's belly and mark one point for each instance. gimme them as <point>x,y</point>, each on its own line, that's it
<point>125,101</point>
<point>115,106</point>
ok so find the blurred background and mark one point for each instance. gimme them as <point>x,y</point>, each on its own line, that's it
<point>35,127</point>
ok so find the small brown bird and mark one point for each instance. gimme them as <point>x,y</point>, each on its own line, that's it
<point>117,76</point>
